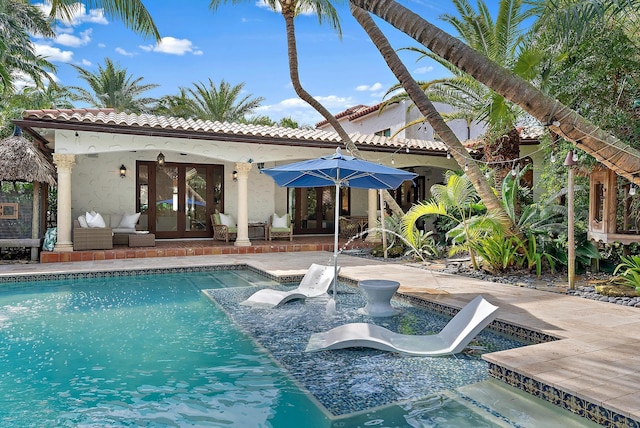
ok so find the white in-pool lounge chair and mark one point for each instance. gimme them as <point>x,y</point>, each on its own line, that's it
<point>453,338</point>
<point>315,283</point>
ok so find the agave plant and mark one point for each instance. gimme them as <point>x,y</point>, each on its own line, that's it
<point>631,271</point>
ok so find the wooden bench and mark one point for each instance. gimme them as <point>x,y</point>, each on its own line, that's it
<point>23,243</point>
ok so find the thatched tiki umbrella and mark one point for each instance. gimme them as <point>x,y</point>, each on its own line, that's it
<point>20,160</point>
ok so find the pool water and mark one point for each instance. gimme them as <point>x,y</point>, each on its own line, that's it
<point>157,351</point>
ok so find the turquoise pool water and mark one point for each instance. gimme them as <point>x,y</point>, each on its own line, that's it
<point>157,351</point>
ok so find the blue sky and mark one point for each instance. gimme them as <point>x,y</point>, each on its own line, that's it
<point>242,43</point>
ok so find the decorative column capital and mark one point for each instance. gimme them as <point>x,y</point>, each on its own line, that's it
<point>64,162</point>
<point>243,168</point>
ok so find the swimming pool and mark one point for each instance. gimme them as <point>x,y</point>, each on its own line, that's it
<point>155,350</point>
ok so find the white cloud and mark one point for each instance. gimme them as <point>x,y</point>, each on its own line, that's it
<point>86,62</point>
<point>172,46</point>
<point>53,54</point>
<point>102,45</point>
<point>302,112</point>
<point>74,41</point>
<point>375,87</point>
<point>121,51</point>
<point>423,70</point>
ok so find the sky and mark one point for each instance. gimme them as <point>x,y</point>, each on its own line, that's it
<point>243,43</point>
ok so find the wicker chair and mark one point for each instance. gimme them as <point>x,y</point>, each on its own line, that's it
<point>91,238</point>
<point>280,232</point>
<point>348,228</point>
<point>220,231</point>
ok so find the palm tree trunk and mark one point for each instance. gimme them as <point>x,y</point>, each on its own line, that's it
<point>305,96</point>
<point>422,102</point>
<point>603,146</point>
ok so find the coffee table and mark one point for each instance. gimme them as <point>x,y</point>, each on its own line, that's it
<point>142,240</point>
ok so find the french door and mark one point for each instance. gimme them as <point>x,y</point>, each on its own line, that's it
<point>176,200</point>
<point>314,209</point>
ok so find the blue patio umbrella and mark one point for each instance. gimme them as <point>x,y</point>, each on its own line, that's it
<point>340,171</point>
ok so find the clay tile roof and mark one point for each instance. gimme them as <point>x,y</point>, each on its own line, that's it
<point>93,119</point>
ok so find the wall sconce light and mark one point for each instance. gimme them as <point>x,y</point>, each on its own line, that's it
<point>260,166</point>
<point>235,175</point>
<point>160,159</point>
<point>123,171</point>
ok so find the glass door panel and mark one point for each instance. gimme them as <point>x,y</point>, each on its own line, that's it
<point>196,199</point>
<point>167,199</point>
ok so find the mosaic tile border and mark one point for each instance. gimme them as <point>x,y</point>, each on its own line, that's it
<point>132,272</point>
<point>594,412</point>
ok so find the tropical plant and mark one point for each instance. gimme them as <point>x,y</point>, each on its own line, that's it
<point>424,246</point>
<point>455,200</point>
<point>628,271</point>
<point>19,20</point>
<point>113,87</point>
<point>498,252</point>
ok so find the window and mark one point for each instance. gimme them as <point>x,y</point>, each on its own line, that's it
<point>384,133</point>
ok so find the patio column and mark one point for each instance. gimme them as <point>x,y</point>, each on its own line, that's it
<point>242,239</point>
<point>372,210</point>
<point>64,163</point>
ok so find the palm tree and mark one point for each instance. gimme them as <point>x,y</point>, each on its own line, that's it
<point>131,12</point>
<point>18,20</point>
<point>603,146</point>
<point>222,102</point>
<point>501,41</point>
<point>324,10</point>
<point>112,87</point>
<point>426,107</point>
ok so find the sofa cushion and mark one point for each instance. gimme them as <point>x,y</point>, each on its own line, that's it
<point>83,221</point>
<point>124,230</point>
<point>128,221</point>
<point>95,220</point>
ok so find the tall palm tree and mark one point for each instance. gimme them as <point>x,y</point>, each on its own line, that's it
<point>222,102</point>
<point>426,107</point>
<point>18,20</point>
<point>325,11</point>
<point>603,146</point>
<point>112,87</point>
<point>501,41</point>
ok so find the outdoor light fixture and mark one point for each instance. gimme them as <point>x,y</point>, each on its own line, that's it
<point>632,189</point>
<point>260,166</point>
<point>160,159</point>
<point>235,175</point>
<point>123,171</point>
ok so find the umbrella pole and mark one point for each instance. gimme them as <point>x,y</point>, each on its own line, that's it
<point>335,239</point>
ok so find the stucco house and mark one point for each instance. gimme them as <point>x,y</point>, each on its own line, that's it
<point>177,172</point>
<point>394,118</point>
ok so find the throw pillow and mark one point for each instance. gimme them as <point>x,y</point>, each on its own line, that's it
<point>95,220</point>
<point>83,221</point>
<point>129,221</point>
<point>280,222</point>
<point>227,220</point>
<point>50,239</point>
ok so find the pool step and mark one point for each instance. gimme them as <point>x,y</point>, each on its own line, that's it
<point>517,405</point>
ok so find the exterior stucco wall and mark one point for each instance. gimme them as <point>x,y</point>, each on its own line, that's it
<point>395,116</point>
